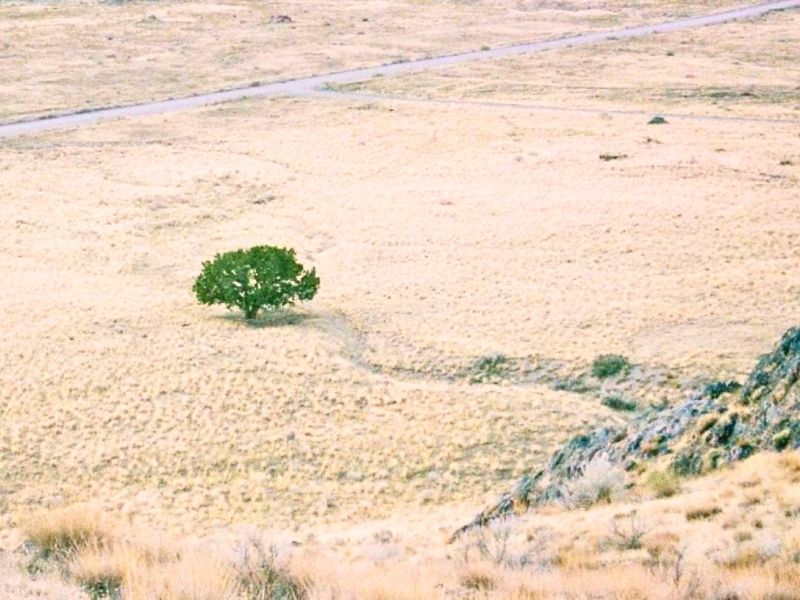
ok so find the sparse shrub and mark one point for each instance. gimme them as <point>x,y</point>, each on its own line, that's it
<point>608,365</point>
<point>619,403</point>
<point>600,482</point>
<point>627,532</point>
<point>706,422</point>
<point>576,385</point>
<point>490,367</point>
<point>259,576</point>
<point>781,439</point>
<point>479,581</point>
<point>664,483</point>
<point>702,512</point>
<point>501,544</point>
<point>60,532</point>
<point>99,574</point>
<point>715,389</point>
<point>263,277</point>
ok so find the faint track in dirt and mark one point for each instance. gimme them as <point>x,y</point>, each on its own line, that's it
<point>310,86</point>
<point>378,97</point>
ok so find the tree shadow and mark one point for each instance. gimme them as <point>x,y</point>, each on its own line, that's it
<point>265,320</point>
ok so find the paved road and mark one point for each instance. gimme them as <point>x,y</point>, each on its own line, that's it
<point>309,86</point>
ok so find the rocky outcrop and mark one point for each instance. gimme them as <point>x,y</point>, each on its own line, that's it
<point>724,423</point>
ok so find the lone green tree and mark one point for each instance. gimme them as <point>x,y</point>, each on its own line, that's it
<point>262,277</point>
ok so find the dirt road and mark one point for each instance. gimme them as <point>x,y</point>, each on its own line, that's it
<point>311,85</point>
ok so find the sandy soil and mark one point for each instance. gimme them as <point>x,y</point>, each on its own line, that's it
<point>58,56</point>
<point>742,69</point>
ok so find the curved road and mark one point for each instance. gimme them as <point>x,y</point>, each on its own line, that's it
<point>311,85</point>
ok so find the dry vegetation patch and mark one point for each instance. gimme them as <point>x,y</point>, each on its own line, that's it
<point>633,548</point>
<point>352,408</point>
<point>455,275</point>
<point>78,54</point>
<point>744,69</point>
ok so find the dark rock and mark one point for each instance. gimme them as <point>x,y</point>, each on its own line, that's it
<point>280,19</point>
<point>724,423</point>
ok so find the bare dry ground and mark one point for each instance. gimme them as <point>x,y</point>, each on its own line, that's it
<point>57,56</point>
<point>441,236</point>
<point>739,69</point>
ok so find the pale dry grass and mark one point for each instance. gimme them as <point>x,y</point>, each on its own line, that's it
<point>108,557</point>
<point>78,54</point>
<point>740,69</point>
<point>433,253</point>
<point>567,553</point>
<point>121,388</point>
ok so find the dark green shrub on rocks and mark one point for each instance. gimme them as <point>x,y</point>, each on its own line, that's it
<point>608,365</point>
<point>261,278</point>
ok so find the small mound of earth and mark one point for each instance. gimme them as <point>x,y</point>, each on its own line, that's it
<point>279,19</point>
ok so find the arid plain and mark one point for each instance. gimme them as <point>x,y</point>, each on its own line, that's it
<point>458,214</point>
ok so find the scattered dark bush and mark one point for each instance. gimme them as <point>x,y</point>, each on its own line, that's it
<point>703,512</point>
<point>619,403</point>
<point>490,367</point>
<point>261,579</point>
<point>263,277</point>
<point>715,389</point>
<point>608,365</point>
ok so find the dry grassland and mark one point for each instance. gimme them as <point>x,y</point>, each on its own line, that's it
<point>731,535</point>
<point>57,56</point>
<point>432,254</point>
<point>740,69</point>
<point>441,236</point>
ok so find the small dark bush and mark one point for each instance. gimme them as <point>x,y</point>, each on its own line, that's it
<point>263,277</point>
<point>261,579</point>
<point>703,512</point>
<point>608,365</point>
<point>618,403</point>
<point>715,389</point>
<point>490,367</point>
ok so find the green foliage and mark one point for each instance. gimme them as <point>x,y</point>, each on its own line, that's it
<point>608,365</point>
<point>263,277</point>
<point>618,403</point>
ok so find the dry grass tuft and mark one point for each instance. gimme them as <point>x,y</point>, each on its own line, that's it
<point>664,484</point>
<point>60,532</point>
<point>702,512</point>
